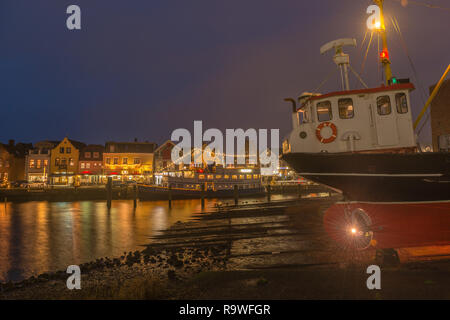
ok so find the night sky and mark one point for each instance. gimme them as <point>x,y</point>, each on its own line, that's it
<point>142,68</point>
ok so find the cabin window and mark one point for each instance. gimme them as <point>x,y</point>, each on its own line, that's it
<point>401,102</point>
<point>303,115</point>
<point>346,108</point>
<point>384,105</point>
<point>324,111</point>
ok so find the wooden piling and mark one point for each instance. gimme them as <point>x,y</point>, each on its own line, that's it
<point>109,192</point>
<point>236,195</point>
<point>268,192</point>
<point>203,195</point>
<point>135,195</point>
<point>170,196</point>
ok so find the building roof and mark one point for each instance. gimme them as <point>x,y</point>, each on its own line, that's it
<point>77,144</point>
<point>130,147</point>
<point>18,150</point>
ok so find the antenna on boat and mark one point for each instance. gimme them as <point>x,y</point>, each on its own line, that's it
<point>341,59</point>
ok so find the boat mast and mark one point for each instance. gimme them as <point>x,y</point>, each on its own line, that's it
<point>384,55</point>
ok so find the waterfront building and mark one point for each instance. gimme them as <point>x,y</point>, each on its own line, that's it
<point>12,161</point>
<point>440,118</point>
<point>90,165</point>
<point>64,162</point>
<point>129,161</point>
<point>163,157</point>
<point>37,161</point>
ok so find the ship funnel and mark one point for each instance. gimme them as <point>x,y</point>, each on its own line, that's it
<point>341,59</point>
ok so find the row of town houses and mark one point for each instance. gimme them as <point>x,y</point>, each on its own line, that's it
<point>73,163</point>
<point>70,162</point>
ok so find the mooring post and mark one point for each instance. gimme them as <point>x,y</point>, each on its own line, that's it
<point>135,195</point>
<point>203,195</point>
<point>236,195</point>
<point>170,196</point>
<point>109,192</point>
<point>268,192</point>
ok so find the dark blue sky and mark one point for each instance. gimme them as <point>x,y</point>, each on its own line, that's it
<point>143,68</point>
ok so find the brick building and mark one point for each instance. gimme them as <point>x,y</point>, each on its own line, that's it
<point>440,115</point>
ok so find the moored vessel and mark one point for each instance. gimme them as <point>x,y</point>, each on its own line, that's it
<point>363,144</point>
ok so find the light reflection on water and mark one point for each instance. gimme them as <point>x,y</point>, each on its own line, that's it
<point>37,237</point>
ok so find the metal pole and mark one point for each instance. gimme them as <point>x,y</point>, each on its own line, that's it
<point>432,95</point>
<point>386,63</point>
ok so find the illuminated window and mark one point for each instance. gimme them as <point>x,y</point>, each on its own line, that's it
<point>226,176</point>
<point>210,176</point>
<point>71,162</point>
<point>38,164</point>
<point>255,176</point>
<point>384,105</point>
<point>108,160</point>
<point>241,176</point>
<point>202,176</point>
<point>88,165</point>
<point>249,176</point>
<point>345,108</point>
<point>324,111</point>
<point>87,155</point>
<point>137,161</point>
<point>96,155</point>
<point>401,102</point>
<point>45,163</point>
<point>125,161</point>
<point>218,176</point>
<point>82,165</point>
<point>31,163</point>
<point>234,177</point>
<point>116,160</point>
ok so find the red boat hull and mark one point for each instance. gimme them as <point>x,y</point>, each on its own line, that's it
<point>389,225</point>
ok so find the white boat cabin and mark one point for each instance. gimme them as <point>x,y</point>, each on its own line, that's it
<point>353,121</point>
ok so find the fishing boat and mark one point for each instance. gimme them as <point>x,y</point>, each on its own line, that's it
<point>363,144</point>
<point>208,182</point>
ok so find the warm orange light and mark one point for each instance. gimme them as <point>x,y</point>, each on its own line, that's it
<point>353,231</point>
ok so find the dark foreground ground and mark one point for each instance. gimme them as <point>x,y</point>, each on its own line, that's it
<point>271,252</point>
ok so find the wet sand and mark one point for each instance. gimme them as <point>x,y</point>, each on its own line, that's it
<point>276,251</point>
